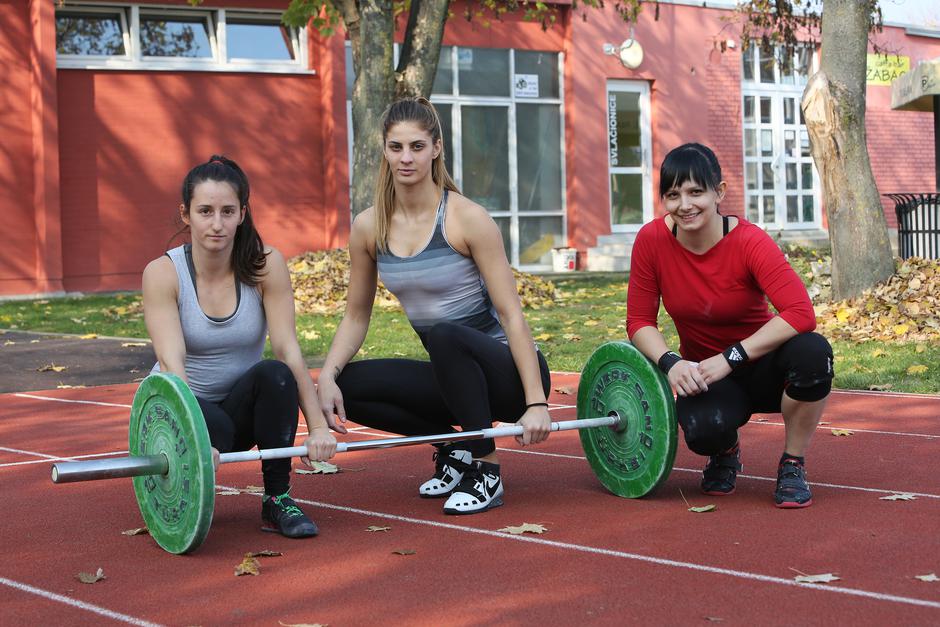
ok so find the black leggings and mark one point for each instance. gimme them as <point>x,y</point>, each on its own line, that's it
<point>471,380</point>
<point>260,409</point>
<point>801,366</point>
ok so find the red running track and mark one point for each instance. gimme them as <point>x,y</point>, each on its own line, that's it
<point>603,561</point>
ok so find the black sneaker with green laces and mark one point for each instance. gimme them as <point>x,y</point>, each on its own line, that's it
<point>792,490</point>
<point>280,514</point>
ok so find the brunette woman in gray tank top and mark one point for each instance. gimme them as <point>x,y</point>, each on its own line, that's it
<point>442,255</point>
<point>208,306</point>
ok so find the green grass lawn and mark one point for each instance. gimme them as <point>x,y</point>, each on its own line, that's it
<point>591,311</point>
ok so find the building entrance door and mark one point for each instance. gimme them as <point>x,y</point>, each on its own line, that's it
<point>629,155</point>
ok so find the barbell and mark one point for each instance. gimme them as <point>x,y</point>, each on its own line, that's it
<point>174,478</point>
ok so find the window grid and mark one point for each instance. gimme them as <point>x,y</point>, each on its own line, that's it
<point>216,22</point>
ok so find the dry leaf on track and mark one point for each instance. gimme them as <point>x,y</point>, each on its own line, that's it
<point>51,368</point>
<point>404,552</point>
<point>525,528</point>
<point>898,497</point>
<point>377,528</point>
<point>91,578</point>
<point>565,389</point>
<point>283,624</point>
<point>264,553</point>
<point>929,578</point>
<point>842,432</point>
<point>88,336</point>
<point>248,566</point>
<point>704,508</point>
<point>823,578</point>
<point>139,531</point>
<point>318,468</point>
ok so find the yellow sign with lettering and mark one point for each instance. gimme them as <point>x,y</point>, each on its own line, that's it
<point>882,70</point>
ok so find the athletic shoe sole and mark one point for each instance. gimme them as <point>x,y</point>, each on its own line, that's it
<point>493,503</point>
<point>717,493</point>
<point>793,504</point>
<point>271,529</point>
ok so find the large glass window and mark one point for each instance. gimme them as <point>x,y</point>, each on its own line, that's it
<point>249,37</point>
<point>90,33</point>
<point>175,36</point>
<point>181,38</point>
<point>780,182</point>
<point>501,119</point>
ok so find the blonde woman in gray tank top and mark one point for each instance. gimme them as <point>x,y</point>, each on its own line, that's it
<point>442,255</point>
<point>208,306</point>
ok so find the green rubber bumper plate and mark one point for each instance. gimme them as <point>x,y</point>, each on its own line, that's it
<point>635,459</point>
<point>177,507</point>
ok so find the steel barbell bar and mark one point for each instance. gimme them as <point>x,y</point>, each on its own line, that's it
<point>141,466</point>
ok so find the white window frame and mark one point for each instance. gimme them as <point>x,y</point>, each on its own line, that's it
<point>219,61</point>
<point>646,159</point>
<point>777,91</point>
<point>125,34</point>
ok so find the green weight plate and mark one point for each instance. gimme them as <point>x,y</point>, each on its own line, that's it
<point>633,461</point>
<point>177,507</point>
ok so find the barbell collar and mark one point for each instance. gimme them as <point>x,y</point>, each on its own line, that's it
<point>114,468</point>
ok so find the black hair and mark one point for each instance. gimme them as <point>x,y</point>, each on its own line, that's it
<point>248,256</point>
<point>689,162</point>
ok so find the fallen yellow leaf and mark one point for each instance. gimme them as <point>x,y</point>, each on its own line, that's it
<point>135,532</point>
<point>377,528</point>
<point>318,468</point>
<point>878,353</point>
<point>917,369</point>
<point>900,329</point>
<point>88,336</point>
<point>525,528</point>
<point>51,368</point>
<point>842,432</point>
<point>899,497</point>
<point>704,508</point>
<point>404,552</point>
<point>544,337</point>
<point>824,578</point>
<point>248,566</point>
<point>91,578</point>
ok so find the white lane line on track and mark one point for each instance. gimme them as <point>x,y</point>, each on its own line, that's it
<point>52,458</point>
<point>832,426</point>
<point>52,596</point>
<point>675,468</point>
<point>740,574</point>
<point>756,477</point>
<point>69,400</point>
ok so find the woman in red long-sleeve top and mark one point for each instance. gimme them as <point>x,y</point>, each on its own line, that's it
<point>715,274</point>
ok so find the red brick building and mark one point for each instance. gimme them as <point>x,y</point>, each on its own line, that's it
<point>105,105</point>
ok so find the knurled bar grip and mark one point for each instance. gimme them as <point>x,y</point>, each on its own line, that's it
<point>68,472</point>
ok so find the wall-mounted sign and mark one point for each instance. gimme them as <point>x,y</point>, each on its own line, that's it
<point>612,129</point>
<point>526,85</point>
<point>883,69</point>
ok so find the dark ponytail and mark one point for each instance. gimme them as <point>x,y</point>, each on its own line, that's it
<point>248,256</point>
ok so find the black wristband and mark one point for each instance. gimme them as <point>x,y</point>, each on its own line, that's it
<point>536,405</point>
<point>735,355</point>
<point>668,360</point>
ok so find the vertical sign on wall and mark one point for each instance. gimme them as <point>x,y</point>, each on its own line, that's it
<point>612,128</point>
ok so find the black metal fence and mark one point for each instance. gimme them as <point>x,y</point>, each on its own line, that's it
<point>918,224</point>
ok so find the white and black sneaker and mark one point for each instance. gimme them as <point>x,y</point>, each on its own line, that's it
<point>451,464</point>
<point>480,489</point>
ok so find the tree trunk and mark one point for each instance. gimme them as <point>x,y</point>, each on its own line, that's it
<point>834,110</point>
<point>371,28</point>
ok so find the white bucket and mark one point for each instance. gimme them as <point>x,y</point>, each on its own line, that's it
<point>564,259</point>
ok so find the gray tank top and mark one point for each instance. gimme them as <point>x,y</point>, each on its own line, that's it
<point>438,284</point>
<point>218,350</point>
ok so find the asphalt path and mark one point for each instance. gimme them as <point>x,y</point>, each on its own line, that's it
<point>43,361</point>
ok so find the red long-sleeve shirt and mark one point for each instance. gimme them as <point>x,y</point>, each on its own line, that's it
<point>718,298</point>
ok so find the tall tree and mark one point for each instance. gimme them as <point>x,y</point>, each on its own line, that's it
<point>834,110</point>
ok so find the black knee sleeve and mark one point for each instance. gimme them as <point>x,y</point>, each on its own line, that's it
<point>810,371</point>
<point>708,433</point>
